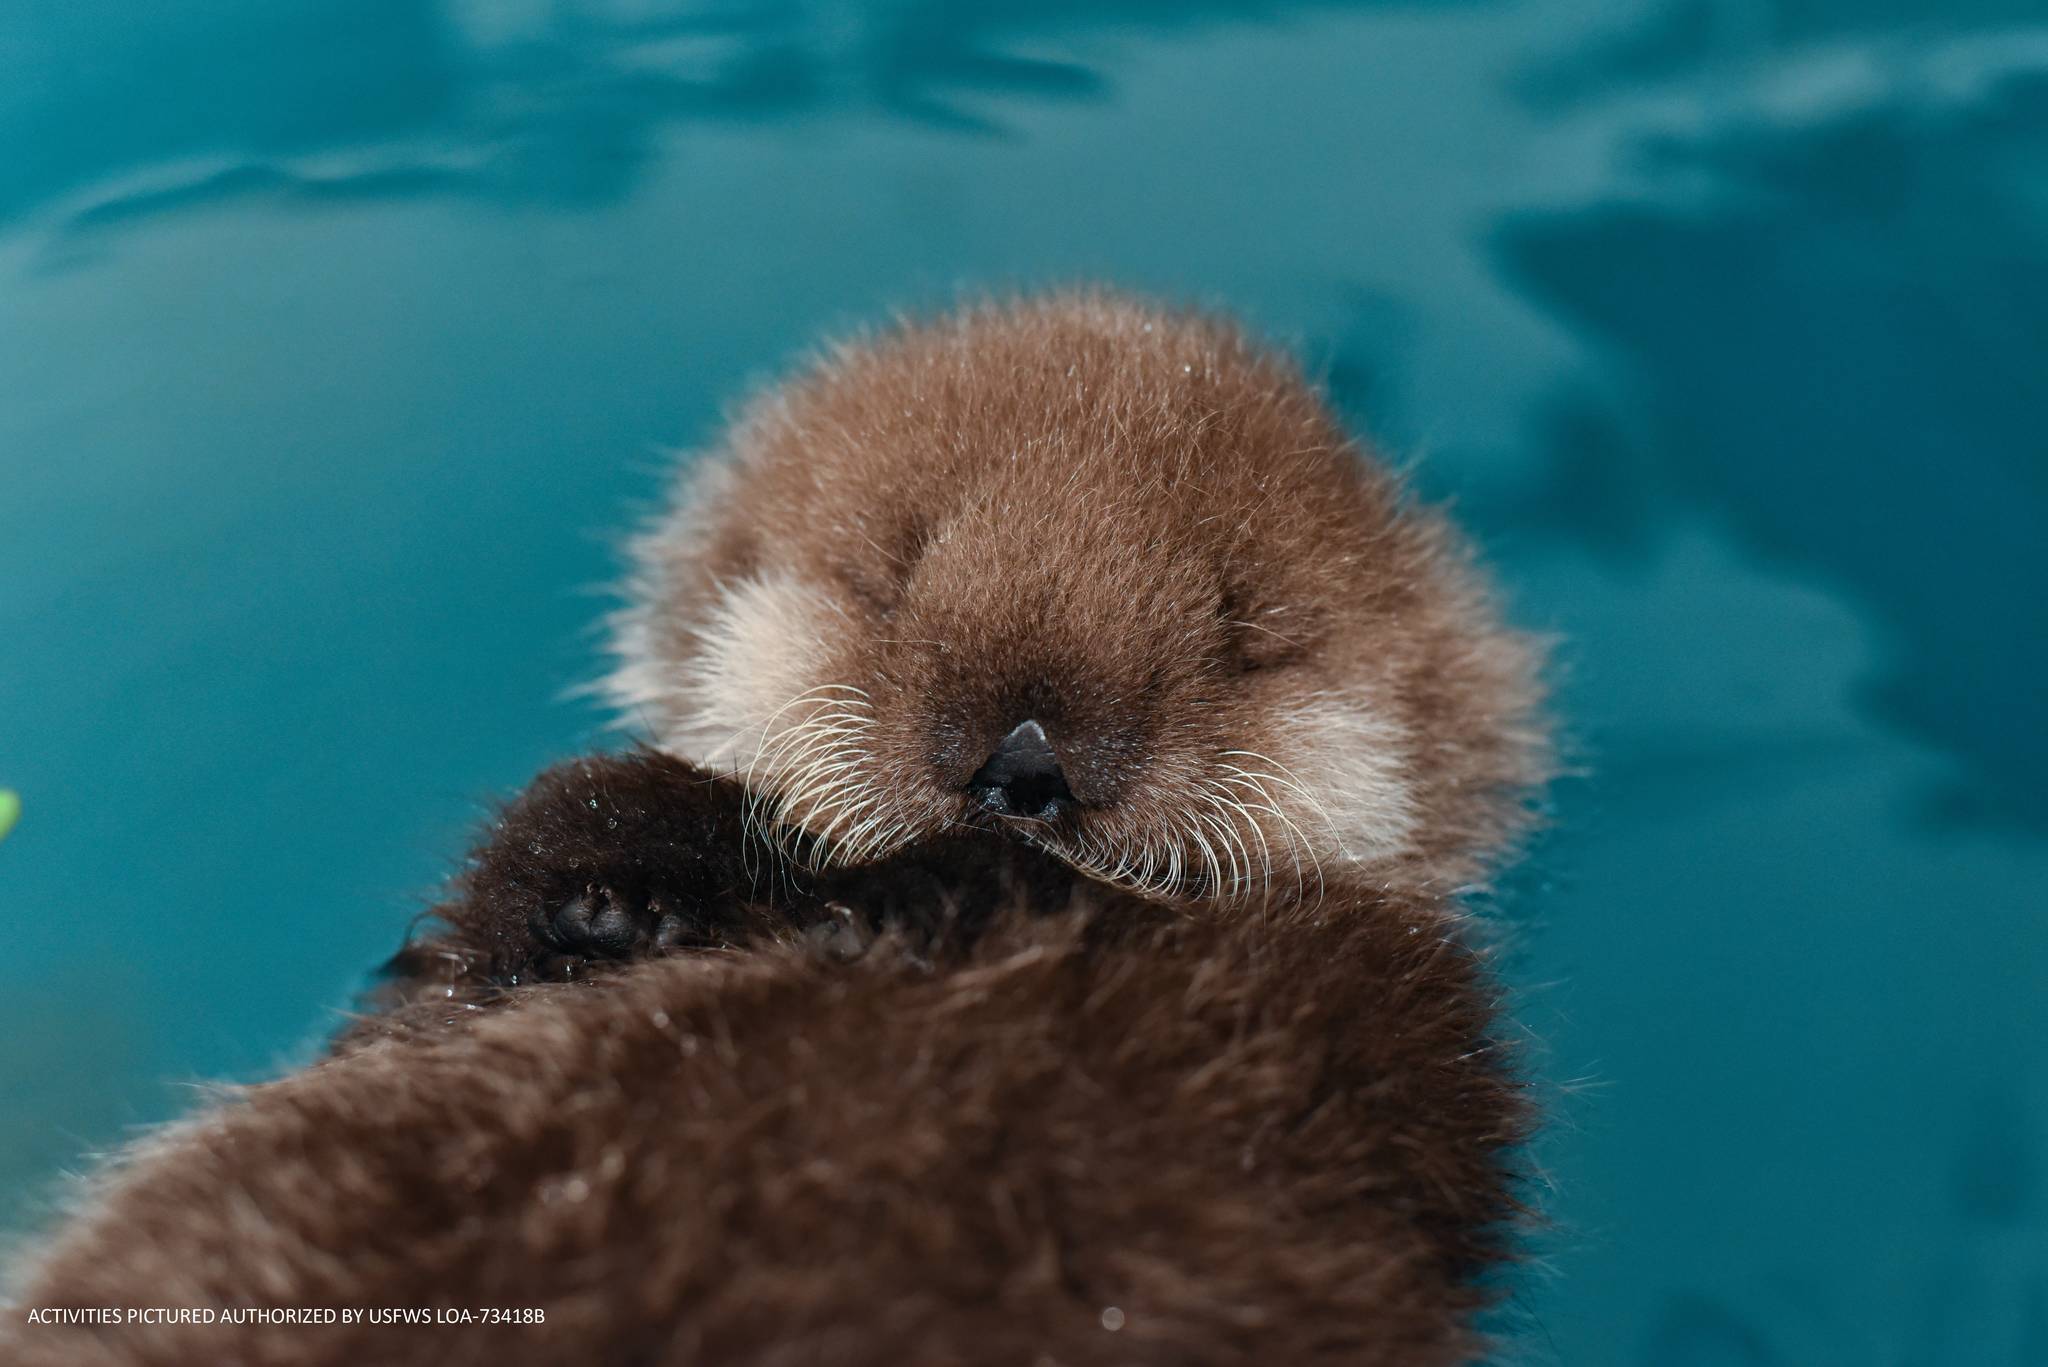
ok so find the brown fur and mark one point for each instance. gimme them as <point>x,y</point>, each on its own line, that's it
<point>1261,664</point>
<point>1260,1144</point>
<point>850,1069</point>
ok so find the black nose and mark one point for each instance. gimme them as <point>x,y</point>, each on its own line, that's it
<point>1023,778</point>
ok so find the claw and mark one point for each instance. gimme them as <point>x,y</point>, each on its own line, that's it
<point>669,934</point>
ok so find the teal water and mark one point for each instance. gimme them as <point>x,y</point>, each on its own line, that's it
<point>339,337</point>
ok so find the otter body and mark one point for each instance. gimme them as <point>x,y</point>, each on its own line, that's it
<point>1029,934</point>
<point>1100,1135</point>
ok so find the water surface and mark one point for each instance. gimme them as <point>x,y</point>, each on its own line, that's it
<point>338,340</point>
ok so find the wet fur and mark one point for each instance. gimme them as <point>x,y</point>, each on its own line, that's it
<point>761,1046</point>
<point>1279,1143</point>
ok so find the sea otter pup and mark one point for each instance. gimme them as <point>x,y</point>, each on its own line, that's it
<point>1029,924</point>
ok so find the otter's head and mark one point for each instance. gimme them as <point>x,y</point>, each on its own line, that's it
<point>1098,574</point>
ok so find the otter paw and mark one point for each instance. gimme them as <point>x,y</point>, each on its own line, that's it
<point>601,923</point>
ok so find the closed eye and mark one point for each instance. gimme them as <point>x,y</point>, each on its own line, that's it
<point>1261,647</point>
<point>880,583</point>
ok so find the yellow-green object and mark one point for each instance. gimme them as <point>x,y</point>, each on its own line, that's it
<point>10,810</point>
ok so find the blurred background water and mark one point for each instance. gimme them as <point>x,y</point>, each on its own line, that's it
<point>339,338</point>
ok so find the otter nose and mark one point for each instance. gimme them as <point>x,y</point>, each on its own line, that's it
<point>1022,777</point>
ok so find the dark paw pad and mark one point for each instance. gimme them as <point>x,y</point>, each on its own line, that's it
<point>602,924</point>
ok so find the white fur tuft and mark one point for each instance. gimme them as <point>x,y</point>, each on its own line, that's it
<point>1351,760</point>
<point>761,644</point>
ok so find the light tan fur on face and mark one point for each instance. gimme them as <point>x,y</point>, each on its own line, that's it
<point>1351,760</point>
<point>764,646</point>
<point>1262,668</point>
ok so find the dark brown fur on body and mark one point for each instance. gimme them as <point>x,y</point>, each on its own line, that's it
<point>610,858</point>
<point>1259,1144</point>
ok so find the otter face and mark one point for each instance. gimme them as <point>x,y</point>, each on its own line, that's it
<point>1094,574</point>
